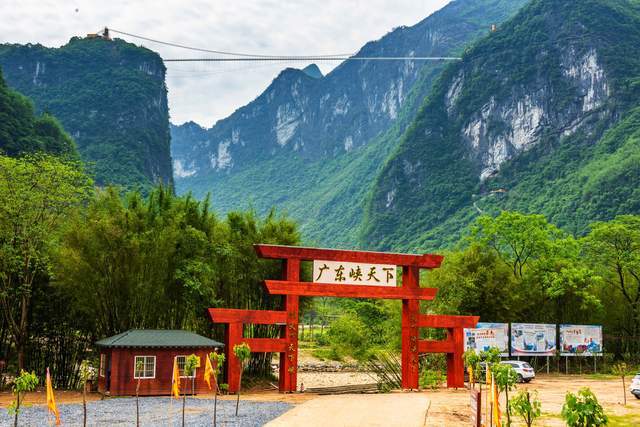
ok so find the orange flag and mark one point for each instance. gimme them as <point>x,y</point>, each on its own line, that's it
<point>496,402</point>
<point>175,382</point>
<point>208,371</point>
<point>51,400</point>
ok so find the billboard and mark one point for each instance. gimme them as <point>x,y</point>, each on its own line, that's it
<point>533,339</point>
<point>487,335</point>
<point>580,340</point>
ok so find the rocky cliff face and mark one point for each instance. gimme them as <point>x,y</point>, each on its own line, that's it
<point>316,116</point>
<point>546,84</point>
<point>315,130</point>
<point>110,96</point>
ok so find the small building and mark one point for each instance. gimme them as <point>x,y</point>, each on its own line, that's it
<point>153,351</point>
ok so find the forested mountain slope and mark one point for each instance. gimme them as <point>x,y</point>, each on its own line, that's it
<point>22,132</point>
<point>541,116</point>
<point>311,145</point>
<point>109,95</point>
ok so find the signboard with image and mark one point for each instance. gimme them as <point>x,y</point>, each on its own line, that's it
<point>533,339</point>
<point>580,340</point>
<point>487,335</point>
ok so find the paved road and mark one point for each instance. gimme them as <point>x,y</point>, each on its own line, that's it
<point>358,410</point>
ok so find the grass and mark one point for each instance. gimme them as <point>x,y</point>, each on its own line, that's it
<point>624,420</point>
<point>614,420</point>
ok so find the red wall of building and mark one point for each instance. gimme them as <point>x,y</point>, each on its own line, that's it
<point>122,369</point>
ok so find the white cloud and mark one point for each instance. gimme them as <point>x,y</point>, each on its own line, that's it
<point>206,92</point>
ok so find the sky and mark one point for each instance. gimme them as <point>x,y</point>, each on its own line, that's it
<point>207,92</point>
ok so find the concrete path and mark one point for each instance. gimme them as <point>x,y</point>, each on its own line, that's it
<point>358,410</point>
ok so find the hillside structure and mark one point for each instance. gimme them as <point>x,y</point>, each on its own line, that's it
<point>148,355</point>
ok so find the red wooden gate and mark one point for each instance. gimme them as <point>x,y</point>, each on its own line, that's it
<point>292,289</point>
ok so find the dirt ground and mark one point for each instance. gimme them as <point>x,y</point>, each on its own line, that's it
<point>451,407</point>
<point>447,407</point>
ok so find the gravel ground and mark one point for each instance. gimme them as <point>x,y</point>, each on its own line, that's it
<point>154,411</point>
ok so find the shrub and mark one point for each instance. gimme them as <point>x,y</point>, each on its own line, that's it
<point>347,336</point>
<point>583,410</point>
<point>431,378</point>
<point>526,405</point>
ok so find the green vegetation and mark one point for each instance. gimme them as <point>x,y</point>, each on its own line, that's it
<point>243,353</point>
<point>109,95</point>
<point>37,192</point>
<point>326,191</point>
<point>429,190</point>
<point>509,268</point>
<point>621,370</point>
<point>26,381</point>
<point>22,132</point>
<point>526,405</point>
<point>87,372</point>
<point>77,264</point>
<point>217,360</point>
<point>583,410</point>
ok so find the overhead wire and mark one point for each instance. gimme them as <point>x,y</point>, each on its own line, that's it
<point>246,57</point>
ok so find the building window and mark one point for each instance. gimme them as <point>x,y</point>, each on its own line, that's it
<point>103,358</point>
<point>144,367</point>
<point>182,360</point>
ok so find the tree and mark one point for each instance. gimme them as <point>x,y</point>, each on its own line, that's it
<point>583,410</point>
<point>614,247</point>
<point>124,256</point>
<point>475,281</point>
<point>190,364</point>
<point>36,193</point>
<point>242,352</point>
<point>506,378</point>
<point>473,360</point>
<point>517,238</point>
<point>622,370</point>
<point>139,368</point>
<point>526,405</point>
<point>87,373</point>
<point>26,381</point>
<point>218,362</point>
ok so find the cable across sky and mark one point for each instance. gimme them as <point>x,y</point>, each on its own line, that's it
<point>246,57</point>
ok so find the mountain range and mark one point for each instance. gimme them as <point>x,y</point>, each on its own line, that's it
<point>537,110</point>
<point>109,95</point>
<point>312,145</point>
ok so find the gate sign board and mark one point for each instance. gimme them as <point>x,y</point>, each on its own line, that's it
<point>354,273</point>
<point>533,339</point>
<point>580,340</point>
<point>487,335</point>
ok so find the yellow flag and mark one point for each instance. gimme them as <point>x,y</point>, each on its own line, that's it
<point>470,372</point>
<point>51,399</point>
<point>208,370</point>
<point>175,383</point>
<point>487,378</point>
<point>496,402</point>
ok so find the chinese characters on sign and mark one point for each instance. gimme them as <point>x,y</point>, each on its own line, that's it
<point>583,340</point>
<point>353,273</point>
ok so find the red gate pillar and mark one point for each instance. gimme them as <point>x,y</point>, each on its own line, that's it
<point>288,377</point>
<point>232,336</point>
<point>455,362</point>
<point>410,331</point>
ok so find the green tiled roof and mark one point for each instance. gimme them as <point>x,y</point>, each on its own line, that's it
<point>157,338</point>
